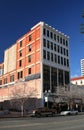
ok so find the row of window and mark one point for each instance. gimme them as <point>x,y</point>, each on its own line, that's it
<point>29,50</point>
<point>55,37</point>
<point>29,39</point>
<point>55,58</point>
<point>12,78</point>
<point>55,47</point>
<point>20,61</point>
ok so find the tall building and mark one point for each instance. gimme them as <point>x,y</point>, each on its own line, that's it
<point>82,67</point>
<point>40,58</point>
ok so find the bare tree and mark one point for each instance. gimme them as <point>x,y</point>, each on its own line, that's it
<point>21,93</point>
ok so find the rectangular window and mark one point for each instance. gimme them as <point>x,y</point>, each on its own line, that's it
<point>64,61</point>
<point>20,74</point>
<point>51,56</point>
<point>61,50</point>
<point>30,37</point>
<point>66,43</point>
<point>29,70</point>
<point>29,48</point>
<point>51,45</point>
<point>44,42</point>
<point>58,48</point>
<point>47,33</point>
<point>29,58</point>
<point>61,60</point>
<point>51,35</point>
<point>61,40</point>
<point>5,81</point>
<point>54,47</point>
<point>58,59</point>
<point>48,44</point>
<point>55,37</point>
<point>48,55</point>
<point>0,82</point>
<point>44,31</point>
<point>11,78</point>
<point>20,43</point>
<point>55,58</point>
<point>20,53</point>
<point>20,63</point>
<point>64,51</point>
<point>67,62</point>
<point>67,53</point>
<point>44,54</point>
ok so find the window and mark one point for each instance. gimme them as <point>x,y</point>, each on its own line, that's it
<point>51,45</point>
<point>47,44</point>
<point>47,33</point>
<point>44,31</point>
<point>48,55</point>
<point>51,56</point>
<point>61,50</point>
<point>20,53</point>
<point>58,48</point>
<point>67,52</point>
<point>29,48</point>
<point>30,37</point>
<point>29,58</point>
<point>64,51</point>
<point>61,40</point>
<point>29,70</point>
<point>66,43</point>
<point>55,58</point>
<point>54,47</point>
<point>64,61</point>
<point>81,82</point>
<point>44,54</point>
<point>51,35</point>
<point>44,42</point>
<point>5,81</point>
<point>20,43</point>
<point>11,78</point>
<point>20,63</point>
<point>20,74</point>
<point>55,37</point>
<point>67,62</point>
<point>58,59</point>
<point>0,82</point>
<point>61,60</point>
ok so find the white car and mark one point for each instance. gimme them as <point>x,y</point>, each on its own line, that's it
<point>71,112</point>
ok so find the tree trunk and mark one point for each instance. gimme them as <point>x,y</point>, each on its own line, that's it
<point>22,113</point>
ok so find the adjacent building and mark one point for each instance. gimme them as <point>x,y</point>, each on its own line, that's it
<point>40,58</point>
<point>82,67</point>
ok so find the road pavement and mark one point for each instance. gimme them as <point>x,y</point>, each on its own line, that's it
<point>43,123</point>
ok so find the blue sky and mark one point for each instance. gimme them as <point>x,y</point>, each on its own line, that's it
<point>18,16</point>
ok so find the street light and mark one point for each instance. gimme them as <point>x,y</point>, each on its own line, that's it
<point>47,93</point>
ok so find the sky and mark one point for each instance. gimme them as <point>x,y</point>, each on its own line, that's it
<point>18,16</point>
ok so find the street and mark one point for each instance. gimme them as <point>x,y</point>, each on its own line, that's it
<point>44,123</point>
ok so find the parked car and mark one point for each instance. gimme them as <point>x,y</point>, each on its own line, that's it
<point>70,112</point>
<point>44,112</point>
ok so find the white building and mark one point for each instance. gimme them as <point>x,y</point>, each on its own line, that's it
<point>82,67</point>
<point>78,81</point>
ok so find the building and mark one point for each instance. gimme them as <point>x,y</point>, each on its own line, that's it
<point>40,58</point>
<point>82,67</point>
<point>78,81</point>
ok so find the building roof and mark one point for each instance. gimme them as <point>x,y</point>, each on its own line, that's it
<point>77,78</point>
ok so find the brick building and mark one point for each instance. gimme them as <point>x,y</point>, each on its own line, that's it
<point>40,58</point>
